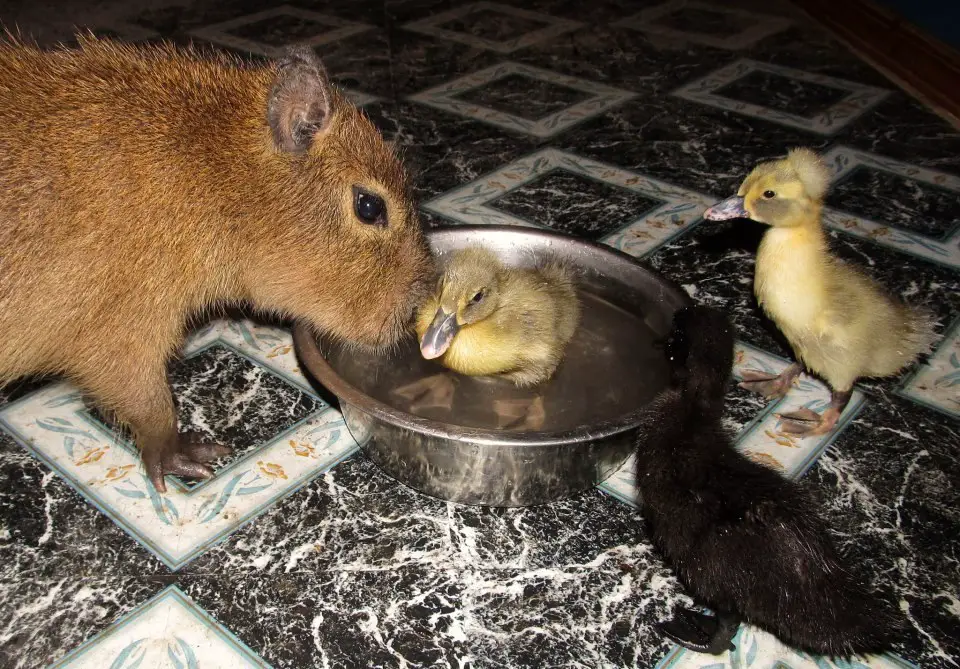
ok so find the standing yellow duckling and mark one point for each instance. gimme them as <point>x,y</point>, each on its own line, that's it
<point>840,323</point>
<point>488,319</point>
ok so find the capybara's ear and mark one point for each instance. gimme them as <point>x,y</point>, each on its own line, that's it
<point>300,100</point>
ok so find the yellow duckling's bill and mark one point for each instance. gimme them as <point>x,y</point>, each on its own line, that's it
<point>730,208</point>
<point>439,334</point>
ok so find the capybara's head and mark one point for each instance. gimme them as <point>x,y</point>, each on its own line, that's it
<point>346,250</point>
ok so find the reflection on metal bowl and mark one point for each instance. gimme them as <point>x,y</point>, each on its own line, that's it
<point>484,441</point>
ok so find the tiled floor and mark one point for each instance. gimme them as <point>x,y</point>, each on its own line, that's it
<point>618,121</point>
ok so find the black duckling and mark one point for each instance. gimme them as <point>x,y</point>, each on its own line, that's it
<point>745,541</point>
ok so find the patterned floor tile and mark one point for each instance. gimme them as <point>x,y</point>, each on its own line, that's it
<point>267,32</point>
<point>55,425</point>
<point>669,210</point>
<point>447,97</point>
<point>493,26</point>
<point>857,98</point>
<point>705,23</point>
<point>170,630</point>
<point>937,383</point>
<point>942,246</point>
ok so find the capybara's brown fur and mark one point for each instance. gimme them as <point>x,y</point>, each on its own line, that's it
<point>141,185</point>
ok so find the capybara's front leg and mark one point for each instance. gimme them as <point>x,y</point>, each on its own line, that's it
<point>146,406</point>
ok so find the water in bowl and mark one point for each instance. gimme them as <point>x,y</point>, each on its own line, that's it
<point>611,367</point>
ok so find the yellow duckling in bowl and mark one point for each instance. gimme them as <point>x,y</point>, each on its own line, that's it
<point>840,322</point>
<point>488,319</point>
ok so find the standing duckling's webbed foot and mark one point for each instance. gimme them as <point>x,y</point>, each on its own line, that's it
<point>807,423</point>
<point>768,385</point>
<point>701,633</point>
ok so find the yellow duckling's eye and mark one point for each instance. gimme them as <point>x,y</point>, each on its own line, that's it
<point>478,297</point>
<point>769,194</point>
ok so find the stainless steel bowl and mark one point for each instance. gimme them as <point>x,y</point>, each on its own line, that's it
<point>450,436</point>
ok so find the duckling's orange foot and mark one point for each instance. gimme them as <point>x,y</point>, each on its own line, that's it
<point>807,423</point>
<point>768,385</point>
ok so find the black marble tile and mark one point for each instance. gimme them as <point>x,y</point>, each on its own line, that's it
<point>280,30</point>
<point>525,96</point>
<point>50,616</point>
<point>706,21</point>
<point>575,204</point>
<point>775,91</point>
<point>66,570</point>
<point>900,201</point>
<point>360,561</point>
<point>493,25</point>
<point>890,489</point>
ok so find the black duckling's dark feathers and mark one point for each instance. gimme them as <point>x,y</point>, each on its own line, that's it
<point>747,542</point>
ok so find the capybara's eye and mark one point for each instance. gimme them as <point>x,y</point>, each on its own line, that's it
<point>369,208</point>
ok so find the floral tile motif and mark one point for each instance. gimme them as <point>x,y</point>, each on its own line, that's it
<point>844,161</point>
<point>757,649</point>
<point>677,210</point>
<point>551,26</point>
<point>761,439</point>
<point>170,630</point>
<point>320,29</point>
<point>682,20</point>
<point>444,97</point>
<point>54,424</point>
<point>936,384</point>
<point>858,100</point>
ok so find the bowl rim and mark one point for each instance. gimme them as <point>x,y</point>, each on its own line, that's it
<point>308,350</point>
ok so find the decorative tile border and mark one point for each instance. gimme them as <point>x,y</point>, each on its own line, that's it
<point>444,97</point>
<point>219,32</point>
<point>56,427</point>
<point>843,161</point>
<point>860,97</point>
<point>761,438</point>
<point>758,26</point>
<point>169,630</point>
<point>755,648</point>
<point>433,26</point>
<point>936,384</point>
<point>680,208</point>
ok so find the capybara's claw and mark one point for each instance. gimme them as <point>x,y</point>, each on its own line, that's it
<point>187,460</point>
<point>197,448</point>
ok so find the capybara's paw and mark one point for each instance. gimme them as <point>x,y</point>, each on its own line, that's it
<point>184,457</point>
